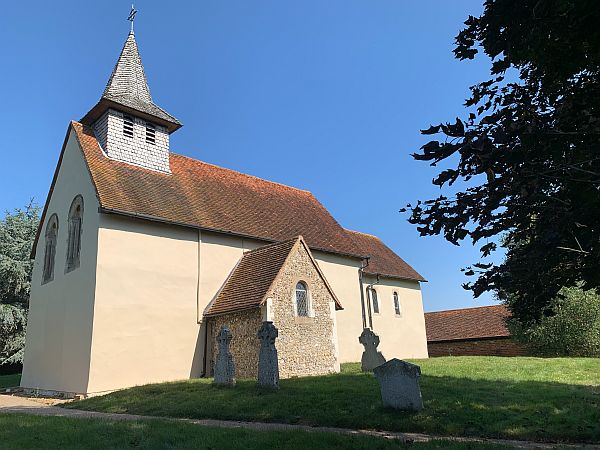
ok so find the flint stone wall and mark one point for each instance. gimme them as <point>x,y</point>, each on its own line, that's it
<point>306,345</point>
<point>244,344</point>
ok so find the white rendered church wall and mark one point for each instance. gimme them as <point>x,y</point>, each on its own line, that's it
<point>145,327</point>
<point>59,329</point>
<point>402,336</point>
<point>219,254</point>
<point>342,275</point>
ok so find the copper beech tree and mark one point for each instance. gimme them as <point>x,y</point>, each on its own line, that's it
<point>526,158</point>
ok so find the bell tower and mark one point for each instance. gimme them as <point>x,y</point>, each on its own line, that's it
<point>129,126</point>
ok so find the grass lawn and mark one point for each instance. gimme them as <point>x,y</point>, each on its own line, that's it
<point>32,432</point>
<point>522,398</point>
<point>9,380</point>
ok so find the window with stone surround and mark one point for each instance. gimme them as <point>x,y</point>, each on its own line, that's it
<point>50,248</point>
<point>302,306</point>
<point>150,133</point>
<point>374,300</point>
<point>128,126</point>
<point>397,304</point>
<point>74,238</point>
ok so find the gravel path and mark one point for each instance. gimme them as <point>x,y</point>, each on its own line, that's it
<point>20,405</point>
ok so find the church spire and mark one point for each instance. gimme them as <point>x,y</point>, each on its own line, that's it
<point>127,123</point>
<point>127,89</point>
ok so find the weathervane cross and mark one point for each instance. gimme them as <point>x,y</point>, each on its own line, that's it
<point>131,17</point>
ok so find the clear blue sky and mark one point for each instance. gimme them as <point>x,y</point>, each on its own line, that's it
<point>327,96</point>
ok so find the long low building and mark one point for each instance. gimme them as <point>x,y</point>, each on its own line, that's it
<point>471,332</point>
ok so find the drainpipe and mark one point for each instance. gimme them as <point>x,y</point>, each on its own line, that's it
<point>370,286</point>
<point>362,292</point>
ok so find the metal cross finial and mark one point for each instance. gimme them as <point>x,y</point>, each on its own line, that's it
<point>131,17</point>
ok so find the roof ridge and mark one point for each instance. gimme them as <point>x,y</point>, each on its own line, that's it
<point>274,244</point>
<point>363,233</point>
<point>241,173</point>
<point>465,309</point>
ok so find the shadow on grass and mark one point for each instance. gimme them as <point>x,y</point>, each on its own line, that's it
<point>453,406</point>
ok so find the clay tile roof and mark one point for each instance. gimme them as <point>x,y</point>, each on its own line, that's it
<point>208,197</point>
<point>248,284</point>
<point>383,261</point>
<point>468,323</point>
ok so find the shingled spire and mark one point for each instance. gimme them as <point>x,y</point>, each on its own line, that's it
<point>127,90</point>
<point>128,125</point>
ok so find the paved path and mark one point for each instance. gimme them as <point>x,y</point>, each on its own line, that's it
<point>19,405</point>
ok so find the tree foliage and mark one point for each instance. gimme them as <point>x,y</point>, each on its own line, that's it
<point>17,232</point>
<point>526,160</point>
<point>572,330</point>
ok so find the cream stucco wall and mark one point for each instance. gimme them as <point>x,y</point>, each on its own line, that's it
<point>145,327</point>
<point>342,275</point>
<point>59,330</point>
<point>402,336</point>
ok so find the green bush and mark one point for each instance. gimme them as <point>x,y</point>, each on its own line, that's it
<point>573,328</point>
<point>17,232</point>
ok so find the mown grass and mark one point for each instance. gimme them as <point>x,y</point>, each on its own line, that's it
<point>54,433</point>
<point>520,398</point>
<point>7,381</point>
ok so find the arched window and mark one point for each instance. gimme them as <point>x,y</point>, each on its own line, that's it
<point>397,304</point>
<point>50,248</point>
<point>374,300</point>
<point>301,299</point>
<point>74,239</point>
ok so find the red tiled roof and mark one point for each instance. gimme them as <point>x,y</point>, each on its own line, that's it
<point>209,197</point>
<point>468,323</point>
<point>250,281</point>
<point>201,195</point>
<point>383,261</point>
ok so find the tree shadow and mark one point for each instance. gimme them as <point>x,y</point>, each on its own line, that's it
<point>453,406</point>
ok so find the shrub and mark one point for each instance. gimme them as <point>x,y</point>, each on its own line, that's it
<point>572,328</point>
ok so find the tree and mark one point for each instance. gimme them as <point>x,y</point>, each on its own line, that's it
<point>572,330</point>
<point>17,232</point>
<point>526,160</point>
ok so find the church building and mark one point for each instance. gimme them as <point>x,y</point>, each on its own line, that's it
<point>142,254</point>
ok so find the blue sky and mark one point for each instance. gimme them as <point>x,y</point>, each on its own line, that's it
<point>327,96</point>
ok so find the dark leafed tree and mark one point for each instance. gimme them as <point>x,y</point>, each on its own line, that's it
<point>17,232</point>
<point>526,159</point>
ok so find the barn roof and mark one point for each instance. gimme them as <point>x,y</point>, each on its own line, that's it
<point>468,323</point>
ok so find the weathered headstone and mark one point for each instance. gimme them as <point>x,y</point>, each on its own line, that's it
<point>371,358</point>
<point>224,367</point>
<point>268,367</point>
<point>399,384</point>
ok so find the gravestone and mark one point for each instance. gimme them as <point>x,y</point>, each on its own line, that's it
<point>371,358</point>
<point>399,384</point>
<point>268,367</point>
<point>224,367</point>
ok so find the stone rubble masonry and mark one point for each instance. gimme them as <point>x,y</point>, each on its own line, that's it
<point>109,132</point>
<point>306,345</point>
<point>244,344</point>
<point>502,346</point>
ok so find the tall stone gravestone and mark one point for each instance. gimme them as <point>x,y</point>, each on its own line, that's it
<point>399,384</point>
<point>224,367</point>
<point>268,367</point>
<point>371,358</point>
